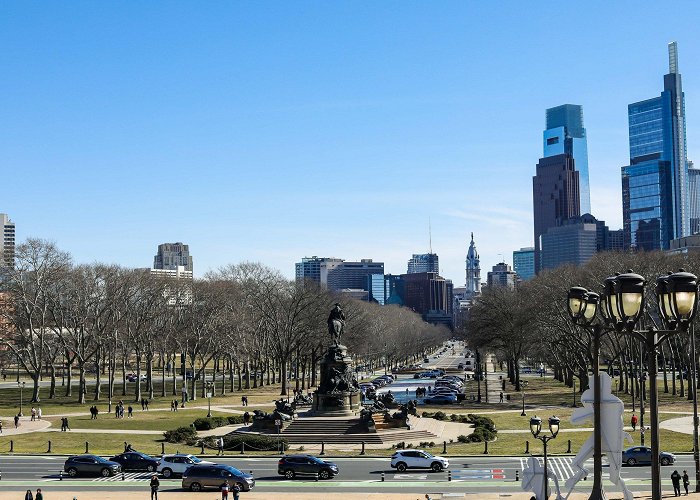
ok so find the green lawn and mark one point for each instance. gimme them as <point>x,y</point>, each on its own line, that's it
<point>142,420</point>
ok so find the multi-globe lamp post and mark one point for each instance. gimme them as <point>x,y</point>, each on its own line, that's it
<point>621,306</point>
<point>536,430</point>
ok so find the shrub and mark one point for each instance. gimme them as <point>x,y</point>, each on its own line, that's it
<point>180,435</point>
<point>482,434</point>
<point>439,415</point>
<point>234,419</point>
<point>254,442</point>
<point>481,421</point>
<point>400,445</point>
<point>462,438</point>
<point>454,417</point>
<point>205,424</point>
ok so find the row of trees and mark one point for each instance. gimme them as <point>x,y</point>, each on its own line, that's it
<point>239,323</point>
<point>531,322</point>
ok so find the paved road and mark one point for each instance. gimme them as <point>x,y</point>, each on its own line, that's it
<point>357,474</point>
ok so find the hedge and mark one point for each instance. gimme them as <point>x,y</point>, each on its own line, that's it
<point>180,435</point>
<point>205,424</point>
<point>254,442</point>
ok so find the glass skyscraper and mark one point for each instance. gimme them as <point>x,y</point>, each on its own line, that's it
<point>565,134</point>
<point>524,263</point>
<point>655,197</point>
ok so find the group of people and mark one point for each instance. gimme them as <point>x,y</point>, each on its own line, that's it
<point>93,412</point>
<point>38,496</point>
<point>36,414</point>
<point>173,405</point>
<point>422,391</point>
<point>144,404</point>
<point>64,424</point>
<point>119,410</point>
<point>676,480</point>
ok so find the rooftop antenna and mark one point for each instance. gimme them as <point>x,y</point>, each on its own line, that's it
<point>430,236</point>
<point>673,57</point>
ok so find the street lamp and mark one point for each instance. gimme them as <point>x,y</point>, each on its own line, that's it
<point>210,388</point>
<point>536,430</point>
<point>621,305</point>
<point>21,390</point>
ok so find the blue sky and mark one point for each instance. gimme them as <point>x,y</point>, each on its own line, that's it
<point>270,131</point>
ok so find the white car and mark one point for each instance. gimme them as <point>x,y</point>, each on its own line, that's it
<point>418,459</point>
<point>171,465</point>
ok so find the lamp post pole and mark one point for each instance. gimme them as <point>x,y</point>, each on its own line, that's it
<point>640,394</point>
<point>209,389</point>
<point>694,387</point>
<point>21,395</point>
<point>597,493</point>
<point>535,429</point>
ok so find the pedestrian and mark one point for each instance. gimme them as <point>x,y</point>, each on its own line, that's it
<point>224,490</point>
<point>131,411</point>
<point>146,405</point>
<point>38,413</point>
<point>242,400</point>
<point>686,481</point>
<point>67,426</point>
<point>236,491</point>
<point>16,421</point>
<point>96,412</point>
<point>154,487</point>
<point>28,495</point>
<point>406,391</point>
<point>220,445</point>
<point>676,480</point>
<point>63,424</point>
<point>39,495</point>
<point>634,421</point>
<point>0,426</point>
<point>501,396</point>
<point>246,418</point>
<point>175,404</point>
<point>171,406</point>
<point>33,414</point>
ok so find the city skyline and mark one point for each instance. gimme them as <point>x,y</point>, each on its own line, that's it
<point>245,126</point>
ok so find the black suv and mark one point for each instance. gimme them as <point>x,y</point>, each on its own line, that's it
<point>91,465</point>
<point>291,465</point>
<point>135,460</point>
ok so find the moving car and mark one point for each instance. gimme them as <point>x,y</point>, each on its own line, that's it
<point>441,399</point>
<point>418,459</point>
<point>171,465</point>
<point>293,465</point>
<point>642,455</point>
<point>135,460</point>
<point>199,477</point>
<point>91,465</point>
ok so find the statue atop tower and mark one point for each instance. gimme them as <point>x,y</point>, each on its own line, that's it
<point>473,285</point>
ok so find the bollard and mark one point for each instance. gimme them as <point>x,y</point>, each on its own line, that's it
<point>242,448</point>
<point>486,447</point>
<point>527,447</point>
<point>323,448</point>
<point>49,450</point>
<point>444,446</point>
<point>201,445</point>
<point>162,448</point>
<point>517,475</point>
<point>60,475</point>
<point>12,445</point>
<point>123,477</point>
<point>568,447</point>
<point>87,447</point>
<point>362,452</point>
<point>449,475</point>
<point>382,477</point>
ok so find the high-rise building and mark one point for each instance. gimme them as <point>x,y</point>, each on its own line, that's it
<point>566,134</point>
<point>423,263</point>
<point>501,275</point>
<point>430,295</point>
<point>172,255</point>
<point>7,250</point>
<point>309,269</point>
<point>473,269</point>
<point>555,197</point>
<point>574,242</point>
<point>524,263</point>
<point>655,198</point>
<point>377,288</point>
<point>349,275</point>
<point>694,197</point>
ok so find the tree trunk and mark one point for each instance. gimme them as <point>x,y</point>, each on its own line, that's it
<point>98,377</point>
<point>81,383</point>
<point>52,388</point>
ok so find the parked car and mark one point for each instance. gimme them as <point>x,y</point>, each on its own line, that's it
<point>171,465</point>
<point>135,460</point>
<point>418,459</point>
<point>291,466</point>
<point>90,465</point>
<point>441,399</point>
<point>642,455</point>
<point>201,476</point>
<point>426,360</point>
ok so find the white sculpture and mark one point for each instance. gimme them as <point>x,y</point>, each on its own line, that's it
<point>613,435</point>
<point>533,479</point>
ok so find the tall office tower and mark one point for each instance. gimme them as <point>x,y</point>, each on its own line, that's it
<point>555,196</point>
<point>524,263</point>
<point>309,269</point>
<point>7,250</point>
<point>171,255</point>
<point>430,295</point>
<point>574,242</point>
<point>655,204</point>
<point>565,134</point>
<point>423,263</point>
<point>473,285</point>
<point>501,275</point>
<point>694,197</point>
<point>343,275</point>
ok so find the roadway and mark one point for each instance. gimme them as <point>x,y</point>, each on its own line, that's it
<point>360,474</point>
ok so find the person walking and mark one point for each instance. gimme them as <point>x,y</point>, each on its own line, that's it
<point>39,495</point>
<point>131,411</point>
<point>143,404</point>
<point>28,495</point>
<point>65,419</point>
<point>33,414</point>
<point>0,426</point>
<point>224,490</point>
<point>220,445</point>
<point>246,418</point>
<point>501,396</point>
<point>686,481</point>
<point>146,405</point>
<point>17,424</point>
<point>38,413</point>
<point>236,491</point>
<point>676,480</point>
<point>634,421</point>
<point>154,487</point>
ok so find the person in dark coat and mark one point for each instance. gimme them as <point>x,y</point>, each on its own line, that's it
<point>686,481</point>
<point>676,480</point>
<point>154,487</point>
<point>28,495</point>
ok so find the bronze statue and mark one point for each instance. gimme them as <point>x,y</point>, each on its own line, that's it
<point>336,323</point>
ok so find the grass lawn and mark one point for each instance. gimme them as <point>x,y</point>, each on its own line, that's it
<point>142,420</point>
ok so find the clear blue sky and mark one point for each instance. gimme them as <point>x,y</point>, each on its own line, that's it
<point>270,131</point>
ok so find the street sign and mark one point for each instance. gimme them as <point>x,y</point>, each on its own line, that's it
<point>278,423</point>
<point>208,394</point>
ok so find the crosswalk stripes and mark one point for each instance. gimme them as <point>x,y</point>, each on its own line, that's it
<point>561,466</point>
<point>128,476</point>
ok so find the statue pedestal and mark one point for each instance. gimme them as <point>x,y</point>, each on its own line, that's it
<point>338,394</point>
